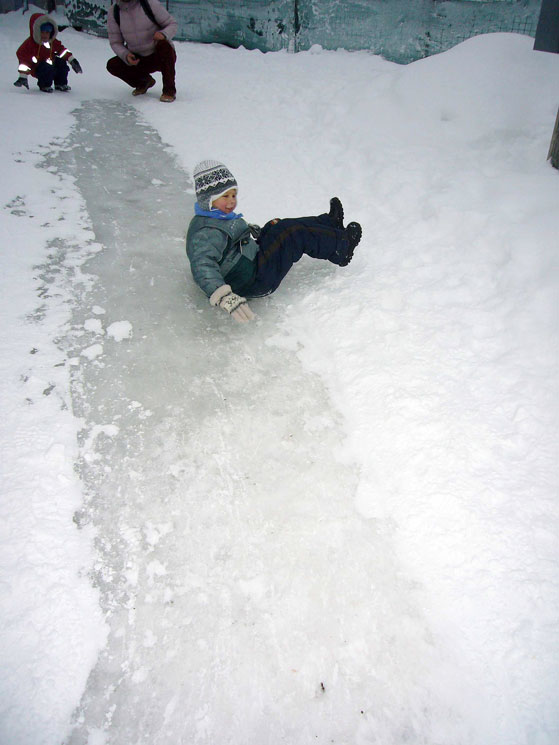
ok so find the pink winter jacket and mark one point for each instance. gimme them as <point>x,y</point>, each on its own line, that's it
<point>135,33</point>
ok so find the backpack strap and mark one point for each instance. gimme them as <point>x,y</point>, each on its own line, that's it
<point>148,11</point>
<point>146,7</point>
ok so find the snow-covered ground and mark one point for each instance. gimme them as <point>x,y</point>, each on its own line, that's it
<point>335,524</point>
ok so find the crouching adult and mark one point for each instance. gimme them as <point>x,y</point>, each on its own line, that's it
<point>140,33</point>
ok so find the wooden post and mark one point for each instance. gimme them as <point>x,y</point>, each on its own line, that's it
<point>553,154</point>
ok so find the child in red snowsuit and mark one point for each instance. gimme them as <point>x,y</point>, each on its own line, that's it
<point>44,57</point>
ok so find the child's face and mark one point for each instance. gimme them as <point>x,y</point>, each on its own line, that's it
<point>45,35</point>
<point>226,202</point>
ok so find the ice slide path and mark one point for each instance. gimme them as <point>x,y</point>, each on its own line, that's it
<point>247,601</point>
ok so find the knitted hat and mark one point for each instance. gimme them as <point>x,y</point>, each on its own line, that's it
<point>211,180</point>
<point>47,27</point>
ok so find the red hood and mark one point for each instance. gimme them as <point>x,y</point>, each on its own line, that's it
<point>35,23</point>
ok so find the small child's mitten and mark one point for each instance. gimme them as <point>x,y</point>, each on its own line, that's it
<point>255,230</point>
<point>22,82</point>
<point>233,304</point>
<point>76,67</point>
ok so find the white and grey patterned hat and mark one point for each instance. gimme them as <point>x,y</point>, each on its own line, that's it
<point>211,180</point>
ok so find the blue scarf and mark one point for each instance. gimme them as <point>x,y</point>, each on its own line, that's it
<point>217,214</point>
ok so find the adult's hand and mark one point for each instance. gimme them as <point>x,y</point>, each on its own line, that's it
<point>158,36</point>
<point>132,59</point>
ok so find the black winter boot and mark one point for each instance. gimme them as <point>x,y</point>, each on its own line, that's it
<point>336,213</point>
<point>353,233</point>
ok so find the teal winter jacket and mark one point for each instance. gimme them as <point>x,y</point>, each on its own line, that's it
<point>221,252</point>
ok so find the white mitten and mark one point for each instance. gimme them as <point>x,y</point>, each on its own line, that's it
<point>235,305</point>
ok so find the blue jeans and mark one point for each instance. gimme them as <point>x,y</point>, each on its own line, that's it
<point>56,73</point>
<point>283,242</point>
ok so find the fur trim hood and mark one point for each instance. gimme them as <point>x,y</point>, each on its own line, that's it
<point>35,23</point>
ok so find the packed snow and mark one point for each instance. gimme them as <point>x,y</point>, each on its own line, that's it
<point>337,523</point>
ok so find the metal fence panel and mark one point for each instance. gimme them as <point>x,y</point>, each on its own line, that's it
<point>255,24</point>
<point>399,30</point>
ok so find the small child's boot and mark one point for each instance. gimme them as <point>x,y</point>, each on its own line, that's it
<point>21,82</point>
<point>336,213</point>
<point>64,88</point>
<point>353,233</point>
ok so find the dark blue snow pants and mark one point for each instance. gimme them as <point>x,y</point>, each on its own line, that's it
<point>283,242</point>
<point>56,73</point>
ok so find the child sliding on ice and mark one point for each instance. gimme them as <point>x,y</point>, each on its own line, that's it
<point>232,260</point>
<point>44,57</point>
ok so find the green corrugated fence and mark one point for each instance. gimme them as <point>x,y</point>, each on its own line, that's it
<point>399,30</point>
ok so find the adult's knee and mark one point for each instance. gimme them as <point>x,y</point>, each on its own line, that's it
<point>165,49</point>
<point>113,65</point>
